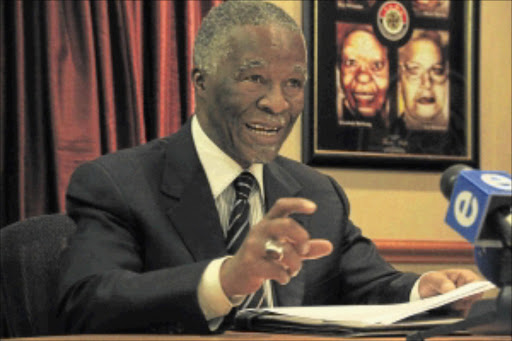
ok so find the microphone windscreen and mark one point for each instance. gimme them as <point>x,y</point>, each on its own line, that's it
<point>449,177</point>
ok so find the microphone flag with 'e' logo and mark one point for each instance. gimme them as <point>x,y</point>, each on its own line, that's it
<point>475,195</point>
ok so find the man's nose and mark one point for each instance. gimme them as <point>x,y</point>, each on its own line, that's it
<point>274,101</point>
<point>363,74</point>
<point>426,80</point>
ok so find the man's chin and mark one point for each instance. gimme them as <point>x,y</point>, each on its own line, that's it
<point>264,155</point>
<point>367,113</point>
<point>427,115</point>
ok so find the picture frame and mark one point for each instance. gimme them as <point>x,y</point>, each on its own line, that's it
<point>393,84</point>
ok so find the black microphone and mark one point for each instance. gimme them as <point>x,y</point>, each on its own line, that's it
<point>480,211</point>
<point>449,177</point>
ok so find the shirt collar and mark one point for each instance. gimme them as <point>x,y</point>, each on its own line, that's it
<point>221,170</point>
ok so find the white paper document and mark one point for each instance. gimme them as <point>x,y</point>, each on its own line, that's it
<point>381,314</point>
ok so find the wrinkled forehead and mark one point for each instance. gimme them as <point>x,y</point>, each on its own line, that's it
<point>248,63</point>
<point>253,40</point>
<point>423,51</point>
<point>362,43</point>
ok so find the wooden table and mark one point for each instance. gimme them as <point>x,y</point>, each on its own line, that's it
<point>251,336</point>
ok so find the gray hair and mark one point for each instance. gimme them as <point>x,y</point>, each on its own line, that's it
<point>211,44</point>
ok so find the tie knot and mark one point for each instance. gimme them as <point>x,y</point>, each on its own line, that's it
<point>243,185</point>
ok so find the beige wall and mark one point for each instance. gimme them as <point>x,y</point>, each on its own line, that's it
<point>409,205</point>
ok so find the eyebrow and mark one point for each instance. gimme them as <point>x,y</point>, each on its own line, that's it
<point>250,64</point>
<point>300,69</point>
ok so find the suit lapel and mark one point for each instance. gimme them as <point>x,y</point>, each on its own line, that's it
<point>190,206</point>
<point>280,184</point>
<point>188,199</point>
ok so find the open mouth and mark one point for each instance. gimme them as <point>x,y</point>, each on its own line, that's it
<point>364,96</point>
<point>262,129</point>
<point>426,100</point>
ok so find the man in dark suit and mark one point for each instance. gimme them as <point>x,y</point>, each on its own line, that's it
<point>152,252</point>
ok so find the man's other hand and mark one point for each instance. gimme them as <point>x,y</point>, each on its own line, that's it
<point>440,282</point>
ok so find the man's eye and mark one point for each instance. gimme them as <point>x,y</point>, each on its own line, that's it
<point>413,70</point>
<point>294,83</point>
<point>377,66</point>
<point>438,70</point>
<point>349,62</point>
<point>255,79</point>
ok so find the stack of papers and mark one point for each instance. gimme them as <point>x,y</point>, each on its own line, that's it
<point>355,320</point>
<point>382,314</point>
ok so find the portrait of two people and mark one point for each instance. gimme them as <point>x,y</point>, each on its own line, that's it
<point>397,99</point>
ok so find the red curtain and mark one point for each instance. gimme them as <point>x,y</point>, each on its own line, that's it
<point>84,78</point>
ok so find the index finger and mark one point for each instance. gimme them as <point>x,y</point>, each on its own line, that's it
<point>286,206</point>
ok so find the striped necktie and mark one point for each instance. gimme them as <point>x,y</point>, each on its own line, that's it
<point>239,218</point>
<point>238,228</point>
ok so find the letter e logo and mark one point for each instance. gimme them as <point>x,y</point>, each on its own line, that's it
<point>497,181</point>
<point>465,208</point>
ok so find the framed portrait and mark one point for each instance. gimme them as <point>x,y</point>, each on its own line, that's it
<point>393,83</point>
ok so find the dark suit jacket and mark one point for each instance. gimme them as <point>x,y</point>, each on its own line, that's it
<point>148,227</point>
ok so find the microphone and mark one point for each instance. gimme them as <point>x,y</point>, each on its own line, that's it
<point>480,211</point>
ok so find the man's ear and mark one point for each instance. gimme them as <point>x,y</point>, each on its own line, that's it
<point>198,78</point>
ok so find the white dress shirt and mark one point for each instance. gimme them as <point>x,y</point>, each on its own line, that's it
<point>221,170</point>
